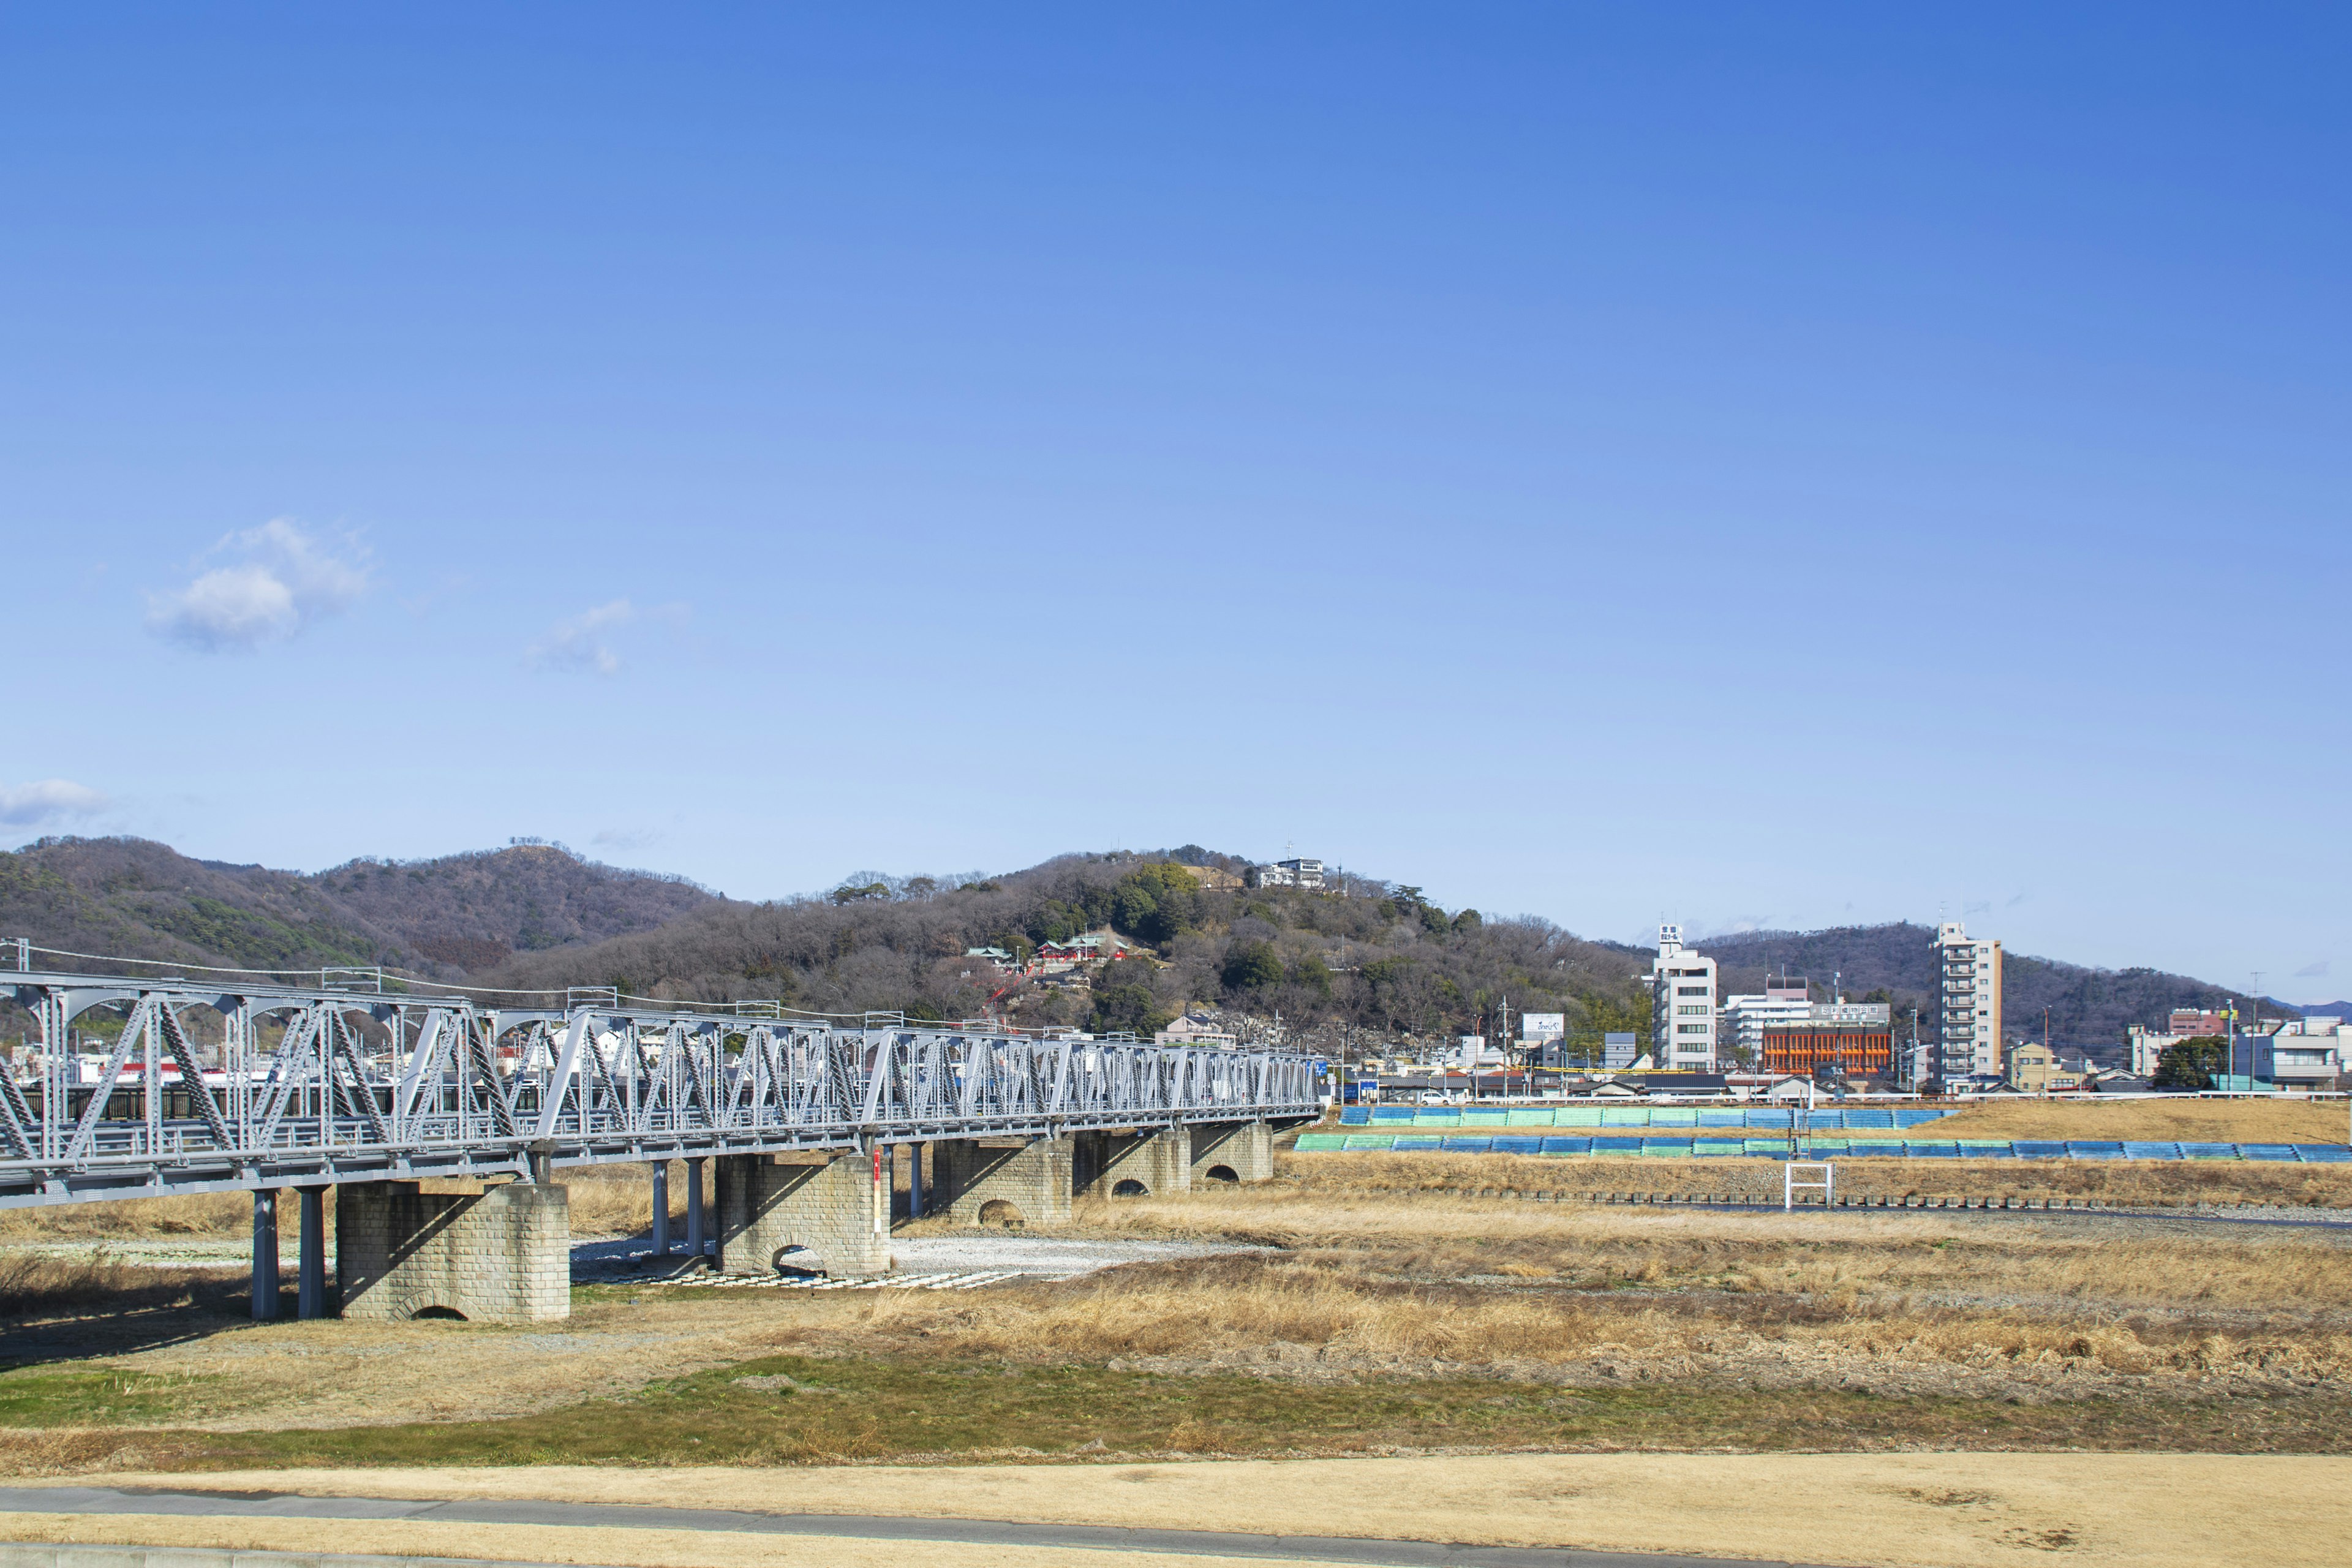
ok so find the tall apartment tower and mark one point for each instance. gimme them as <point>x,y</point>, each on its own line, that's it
<point>1682,1006</point>
<point>1968,1002</point>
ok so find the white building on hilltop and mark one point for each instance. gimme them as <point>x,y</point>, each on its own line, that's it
<point>1295,873</point>
<point>1682,1006</point>
<point>1968,1002</point>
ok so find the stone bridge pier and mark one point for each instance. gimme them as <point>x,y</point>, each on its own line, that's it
<point>828,1204</point>
<point>1147,1162</point>
<point>1232,1152</point>
<point>502,1255</point>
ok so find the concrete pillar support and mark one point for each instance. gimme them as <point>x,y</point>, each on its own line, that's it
<point>1151,1162</point>
<point>1232,1152</point>
<point>915,1181</point>
<point>661,1206</point>
<point>1001,1181</point>
<point>265,1255</point>
<point>696,1241</point>
<point>310,1268</point>
<point>503,1256</point>
<point>828,1204</point>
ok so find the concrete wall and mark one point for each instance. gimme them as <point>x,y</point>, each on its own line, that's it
<point>828,1205</point>
<point>1243,1148</point>
<point>502,1256</point>
<point>1160,1160</point>
<point>1033,1177</point>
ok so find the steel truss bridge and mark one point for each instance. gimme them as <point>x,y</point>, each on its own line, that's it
<point>317,1085</point>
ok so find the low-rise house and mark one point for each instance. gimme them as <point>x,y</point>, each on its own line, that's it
<point>1192,1029</point>
<point>2036,1069</point>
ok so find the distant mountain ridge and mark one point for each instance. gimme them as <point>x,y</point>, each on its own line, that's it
<point>2089,1008</point>
<point>537,915</point>
<point>441,918</point>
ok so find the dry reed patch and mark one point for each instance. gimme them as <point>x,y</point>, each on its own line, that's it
<point>2167,1184</point>
<point>2168,1120</point>
<point>1436,1239</point>
<point>192,1214</point>
<point>36,1285</point>
<point>1297,1317</point>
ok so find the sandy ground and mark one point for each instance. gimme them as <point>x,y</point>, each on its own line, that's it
<point>1934,1511</point>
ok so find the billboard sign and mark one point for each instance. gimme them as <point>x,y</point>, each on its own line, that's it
<point>1542,1025</point>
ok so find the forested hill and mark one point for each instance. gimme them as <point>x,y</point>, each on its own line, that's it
<point>1375,956</point>
<point>439,919</point>
<point>2088,1007</point>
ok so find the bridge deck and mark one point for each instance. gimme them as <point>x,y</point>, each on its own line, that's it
<point>315,1086</point>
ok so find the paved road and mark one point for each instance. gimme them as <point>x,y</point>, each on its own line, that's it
<point>69,1499</point>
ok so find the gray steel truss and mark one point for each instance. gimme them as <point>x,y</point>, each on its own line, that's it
<point>318,1086</point>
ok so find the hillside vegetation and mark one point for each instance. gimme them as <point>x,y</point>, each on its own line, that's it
<point>440,919</point>
<point>1377,957</point>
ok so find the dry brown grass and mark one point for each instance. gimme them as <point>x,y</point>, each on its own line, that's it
<point>194,1215</point>
<point>36,1285</point>
<point>2170,1183</point>
<point>2154,1120</point>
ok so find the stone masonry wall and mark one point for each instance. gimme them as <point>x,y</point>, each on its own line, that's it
<point>1160,1158</point>
<point>828,1205</point>
<point>1033,1177</point>
<point>502,1257</point>
<point>1245,1148</point>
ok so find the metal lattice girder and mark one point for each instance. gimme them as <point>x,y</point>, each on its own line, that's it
<point>364,1086</point>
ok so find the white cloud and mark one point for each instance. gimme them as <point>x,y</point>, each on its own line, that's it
<point>579,644</point>
<point>625,839</point>
<point>2311,971</point>
<point>283,580</point>
<point>50,800</point>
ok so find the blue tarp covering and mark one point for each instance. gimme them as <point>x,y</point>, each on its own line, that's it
<point>1356,1115</point>
<point>1568,1145</point>
<point>1930,1151</point>
<point>2324,1153</point>
<point>2266,1151</point>
<point>1608,1145</point>
<point>2152,1151</point>
<point>2095,1150</point>
<point>1516,1145</point>
<point>2038,1150</point>
<point>1466,1145</point>
<point>1429,1143</point>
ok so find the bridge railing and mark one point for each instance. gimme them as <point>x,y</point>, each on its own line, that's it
<point>331,1069</point>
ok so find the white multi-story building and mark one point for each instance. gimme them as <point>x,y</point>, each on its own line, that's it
<point>1294,873</point>
<point>1682,1006</point>
<point>1967,1001</point>
<point>1744,1017</point>
<point>2304,1053</point>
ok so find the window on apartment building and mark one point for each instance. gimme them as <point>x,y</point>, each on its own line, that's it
<point>1698,1011</point>
<point>1690,1028</point>
<point>1690,990</point>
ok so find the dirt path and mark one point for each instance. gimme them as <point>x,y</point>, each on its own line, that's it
<point>1936,1511</point>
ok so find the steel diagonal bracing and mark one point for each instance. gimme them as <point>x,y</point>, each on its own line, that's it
<point>360,1087</point>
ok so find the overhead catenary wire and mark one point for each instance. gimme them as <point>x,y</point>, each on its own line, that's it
<point>661,1004</point>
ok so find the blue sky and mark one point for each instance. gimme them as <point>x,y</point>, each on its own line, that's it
<point>1782,466</point>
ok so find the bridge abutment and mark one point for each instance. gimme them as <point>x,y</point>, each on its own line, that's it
<point>1001,1181</point>
<point>1232,1152</point>
<point>502,1255</point>
<point>1152,1162</point>
<point>828,1205</point>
